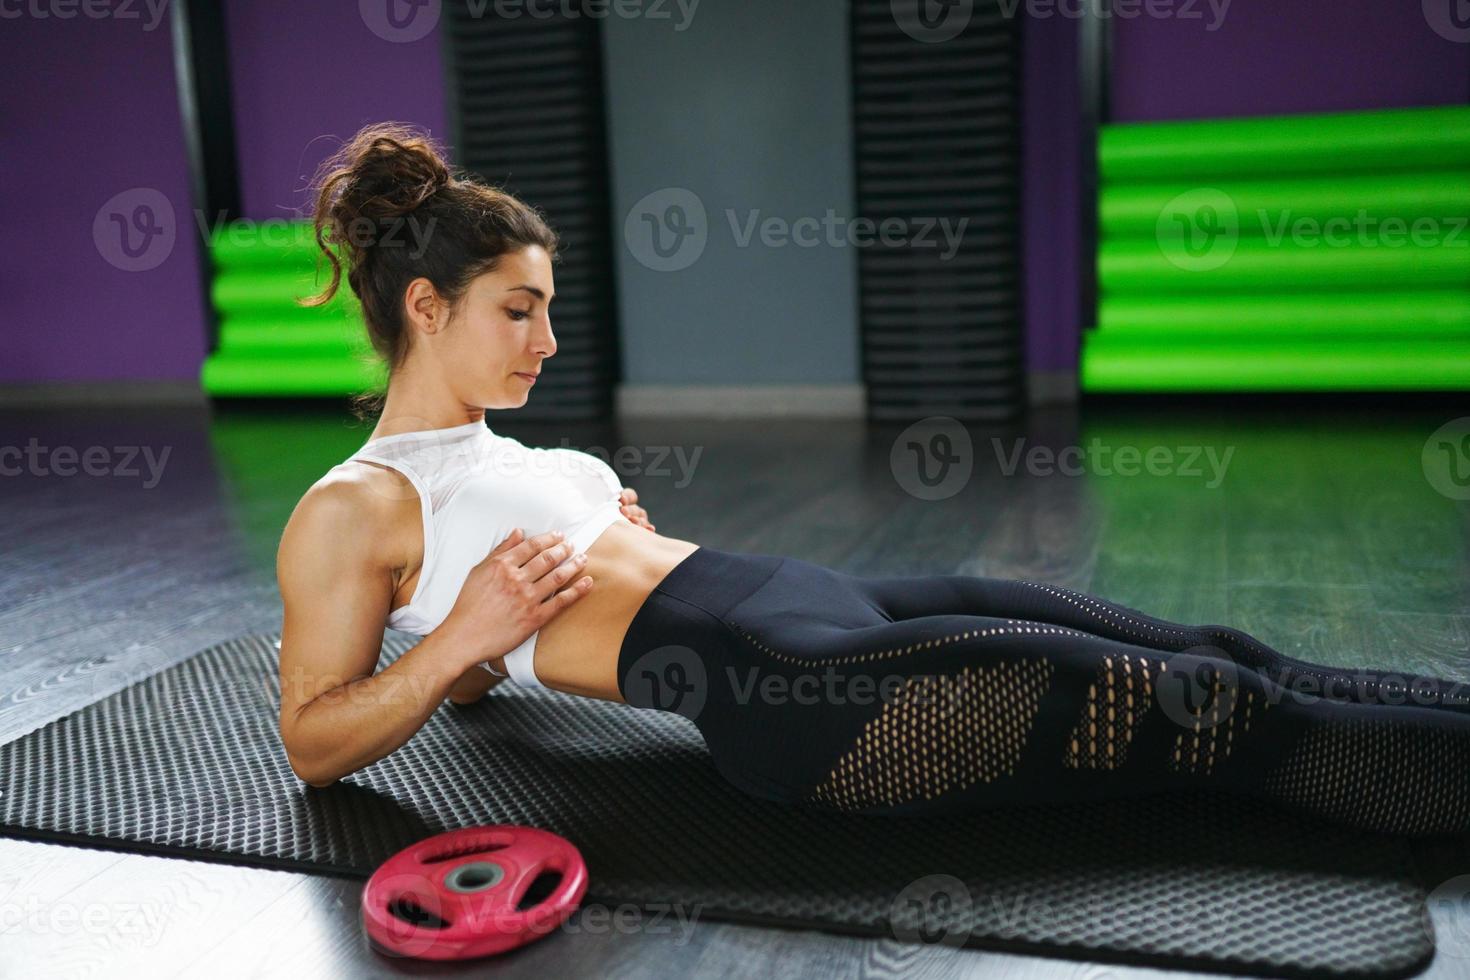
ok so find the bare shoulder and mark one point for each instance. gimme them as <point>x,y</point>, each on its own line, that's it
<point>356,510</point>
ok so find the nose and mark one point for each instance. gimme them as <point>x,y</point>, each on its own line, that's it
<point>544,339</point>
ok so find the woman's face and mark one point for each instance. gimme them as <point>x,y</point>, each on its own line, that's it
<point>501,331</point>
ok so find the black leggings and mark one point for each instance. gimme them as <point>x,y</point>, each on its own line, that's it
<point>930,693</point>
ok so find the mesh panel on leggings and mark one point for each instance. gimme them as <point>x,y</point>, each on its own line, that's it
<point>1212,735</point>
<point>1361,771</point>
<point>939,733</point>
<point>188,762</point>
<point>1116,704</point>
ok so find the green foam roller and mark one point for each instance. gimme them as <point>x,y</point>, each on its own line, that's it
<point>1384,140</point>
<point>268,338</point>
<point>274,293</point>
<point>1109,364</point>
<point>1225,265</point>
<point>249,376</point>
<point>1430,313</point>
<point>1430,205</point>
<point>272,243</point>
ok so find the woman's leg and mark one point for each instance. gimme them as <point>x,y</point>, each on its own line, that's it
<point>913,711</point>
<point>905,597</point>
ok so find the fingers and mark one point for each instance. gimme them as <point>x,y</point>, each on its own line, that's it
<point>532,547</point>
<point>567,596</point>
<point>560,571</point>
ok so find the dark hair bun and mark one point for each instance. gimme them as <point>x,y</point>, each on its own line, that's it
<point>384,172</point>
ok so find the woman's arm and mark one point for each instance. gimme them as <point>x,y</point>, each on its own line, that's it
<point>473,684</point>
<point>336,586</point>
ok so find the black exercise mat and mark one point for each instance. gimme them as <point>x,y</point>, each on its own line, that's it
<point>189,762</point>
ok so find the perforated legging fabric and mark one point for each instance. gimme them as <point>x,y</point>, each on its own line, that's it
<point>932,693</point>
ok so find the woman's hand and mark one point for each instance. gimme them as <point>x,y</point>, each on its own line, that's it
<point>631,510</point>
<point>512,593</point>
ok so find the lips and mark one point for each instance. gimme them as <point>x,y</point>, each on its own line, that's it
<point>528,376</point>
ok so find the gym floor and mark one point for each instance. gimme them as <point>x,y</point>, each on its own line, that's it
<point>1317,526</point>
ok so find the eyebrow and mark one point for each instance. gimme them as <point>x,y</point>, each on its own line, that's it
<point>533,290</point>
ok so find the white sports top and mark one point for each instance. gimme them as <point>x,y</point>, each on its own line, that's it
<point>474,488</point>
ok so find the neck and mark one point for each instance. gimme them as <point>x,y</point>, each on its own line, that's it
<point>404,410</point>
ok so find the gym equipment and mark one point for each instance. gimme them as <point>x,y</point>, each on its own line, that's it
<point>455,895</point>
<point>268,345</point>
<point>1305,252</point>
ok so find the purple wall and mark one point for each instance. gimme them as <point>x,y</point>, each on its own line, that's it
<point>1269,57</point>
<point>89,111</point>
<point>306,76</point>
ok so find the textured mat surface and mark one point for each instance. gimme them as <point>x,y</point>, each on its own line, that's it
<point>189,762</point>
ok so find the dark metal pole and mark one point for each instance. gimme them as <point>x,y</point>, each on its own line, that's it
<point>202,72</point>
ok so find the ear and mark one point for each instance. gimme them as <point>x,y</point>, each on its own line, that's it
<point>423,307</point>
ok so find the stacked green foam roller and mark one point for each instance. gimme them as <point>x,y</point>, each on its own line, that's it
<point>1295,252</point>
<point>268,344</point>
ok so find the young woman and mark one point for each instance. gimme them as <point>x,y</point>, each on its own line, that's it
<point>886,695</point>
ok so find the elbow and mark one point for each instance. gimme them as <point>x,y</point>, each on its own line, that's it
<point>313,778</point>
<point>309,775</point>
<point>309,772</point>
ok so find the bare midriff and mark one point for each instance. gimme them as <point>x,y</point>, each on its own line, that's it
<point>577,650</point>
